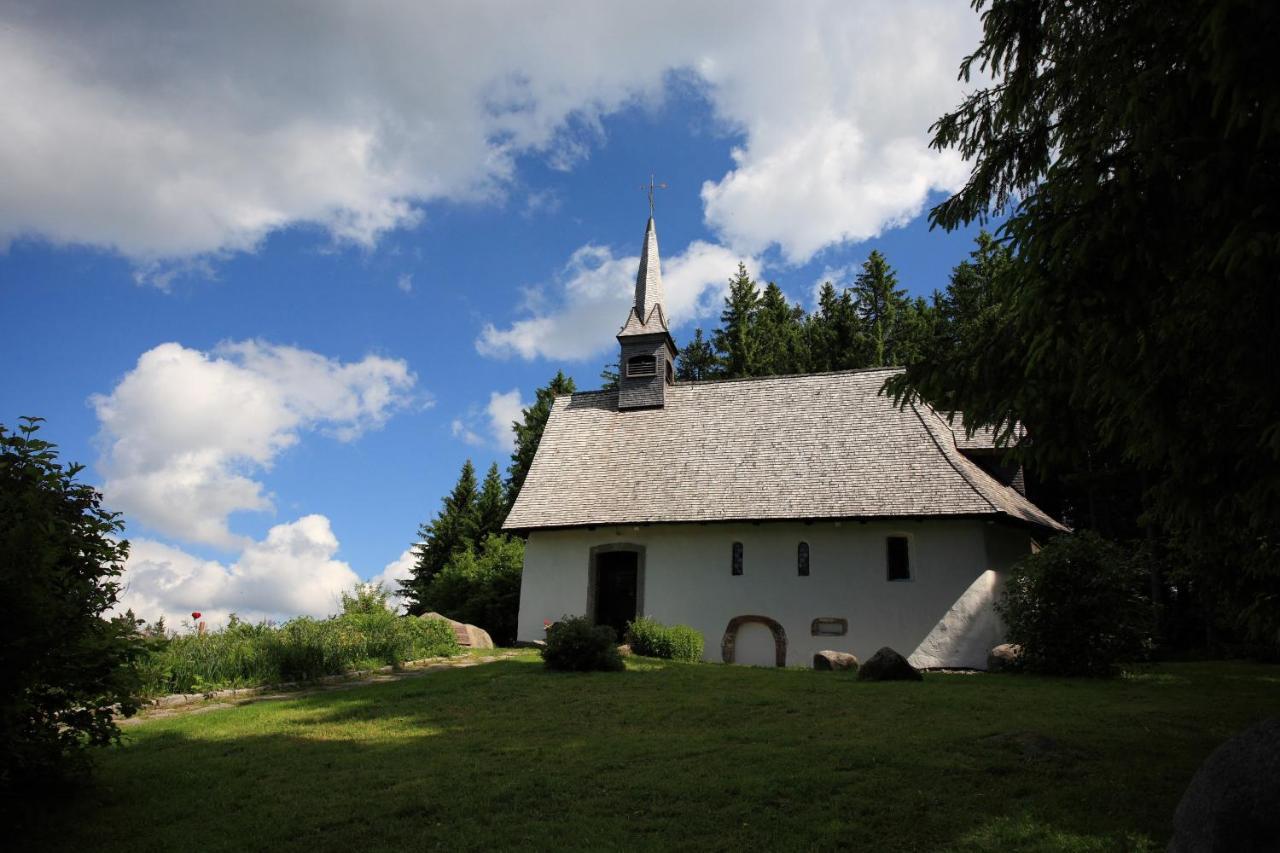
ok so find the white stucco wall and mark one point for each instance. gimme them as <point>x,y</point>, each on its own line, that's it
<point>941,617</point>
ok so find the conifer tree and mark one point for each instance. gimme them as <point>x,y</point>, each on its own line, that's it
<point>697,360</point>
<point>879,302</point>
<point>452,530</point>
<point>831,334</point>
<point>734,341</point>
<point>529,429</point>
<point>778,335</point>
<point>491,506</point>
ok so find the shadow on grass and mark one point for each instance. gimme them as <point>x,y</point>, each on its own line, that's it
<point>665,756</point>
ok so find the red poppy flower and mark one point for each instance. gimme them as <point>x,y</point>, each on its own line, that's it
<point>195,614</point>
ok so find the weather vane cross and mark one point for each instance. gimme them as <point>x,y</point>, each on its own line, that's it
<point>651,187</point>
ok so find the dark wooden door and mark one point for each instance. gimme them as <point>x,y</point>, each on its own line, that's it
<point>616,574</point>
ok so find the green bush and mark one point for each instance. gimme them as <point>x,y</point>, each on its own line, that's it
<point>1077,607</point>
<point>651,638</point>
<point>65,667</point>
<point>574,644</point>
<point>481,587</point>
<point>303,649</point>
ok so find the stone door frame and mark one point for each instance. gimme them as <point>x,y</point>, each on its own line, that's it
<point>591,575</point>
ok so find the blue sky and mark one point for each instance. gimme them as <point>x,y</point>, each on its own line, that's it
<point>277,378</point>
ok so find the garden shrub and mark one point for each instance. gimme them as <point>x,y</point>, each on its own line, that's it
<point>651,638</point>
<point>574,644</point>
<point>1077,607</point>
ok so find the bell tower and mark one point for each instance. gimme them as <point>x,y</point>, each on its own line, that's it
<point>647,362</point>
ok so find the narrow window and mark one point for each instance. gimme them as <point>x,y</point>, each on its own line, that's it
<point>737,558</point>
<point>802,560</point>
<point>642,365</point>
<point>899,559</point>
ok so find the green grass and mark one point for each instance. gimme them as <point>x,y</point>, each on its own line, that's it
<point>670,756</point>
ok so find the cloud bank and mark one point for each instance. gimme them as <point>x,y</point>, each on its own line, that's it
<point>180,131</point>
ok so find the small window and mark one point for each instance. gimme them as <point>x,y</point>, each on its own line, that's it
<point>802,560</point>
<point>899,559</point>
<point>737,558</point>
<point>642,365</point>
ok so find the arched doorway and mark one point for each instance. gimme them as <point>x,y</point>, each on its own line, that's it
<point>729,645</point>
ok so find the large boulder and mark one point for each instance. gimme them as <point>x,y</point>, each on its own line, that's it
<point>1233,801</point>
<point>1003,657</point>
<point>469,636</point>
<point>888,665</point>
<point>829,660</point>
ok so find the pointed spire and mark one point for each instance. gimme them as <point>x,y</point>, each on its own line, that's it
<point>648,307</point>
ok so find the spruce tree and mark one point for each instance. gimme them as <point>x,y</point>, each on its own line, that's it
<point>491,505</point>
<point>879,302</point>
<point>734,341</point>
<point>452,530</point>
<point>697,360</point>
<point>778,335</point>
<point>831,334</point>
<point>529,431</point>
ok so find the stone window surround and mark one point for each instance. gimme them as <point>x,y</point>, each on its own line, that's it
<point>835,621</point>
<point>591,574</point>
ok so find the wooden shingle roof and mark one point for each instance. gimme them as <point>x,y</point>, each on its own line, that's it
<point>819,446</point>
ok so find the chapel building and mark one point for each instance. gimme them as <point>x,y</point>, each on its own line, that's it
<point>779,516</point>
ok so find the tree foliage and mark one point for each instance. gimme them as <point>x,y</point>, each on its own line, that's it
<point>481,586</point>
<point>452,529</point>
<point>65,664</point>
<point>1138,146</point>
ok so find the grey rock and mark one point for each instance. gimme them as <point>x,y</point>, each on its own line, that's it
<point>888,665</point>
<point>828,660</point>
<point>1233,801</point>
<point>1003,657</point>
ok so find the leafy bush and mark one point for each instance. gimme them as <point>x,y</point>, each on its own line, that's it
<point>245,655</point>
<point>366,598</point>
<point>574,644</point>
<point>481,587</point>
<point>63,664</point>
<point>675,642</point>
<point>1077,607</point>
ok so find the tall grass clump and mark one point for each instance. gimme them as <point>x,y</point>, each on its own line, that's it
<point>245,655</point>
<point>651,638</point>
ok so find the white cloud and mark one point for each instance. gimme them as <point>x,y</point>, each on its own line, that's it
<point>405,282</point>
<point>183,130</point>
<point>291,572</point>
<point>503,410</point>
<point>578,317</point>
<point>183,431</point>
<point>459,429</point>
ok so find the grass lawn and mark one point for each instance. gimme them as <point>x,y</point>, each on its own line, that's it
<point>689,756</point>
